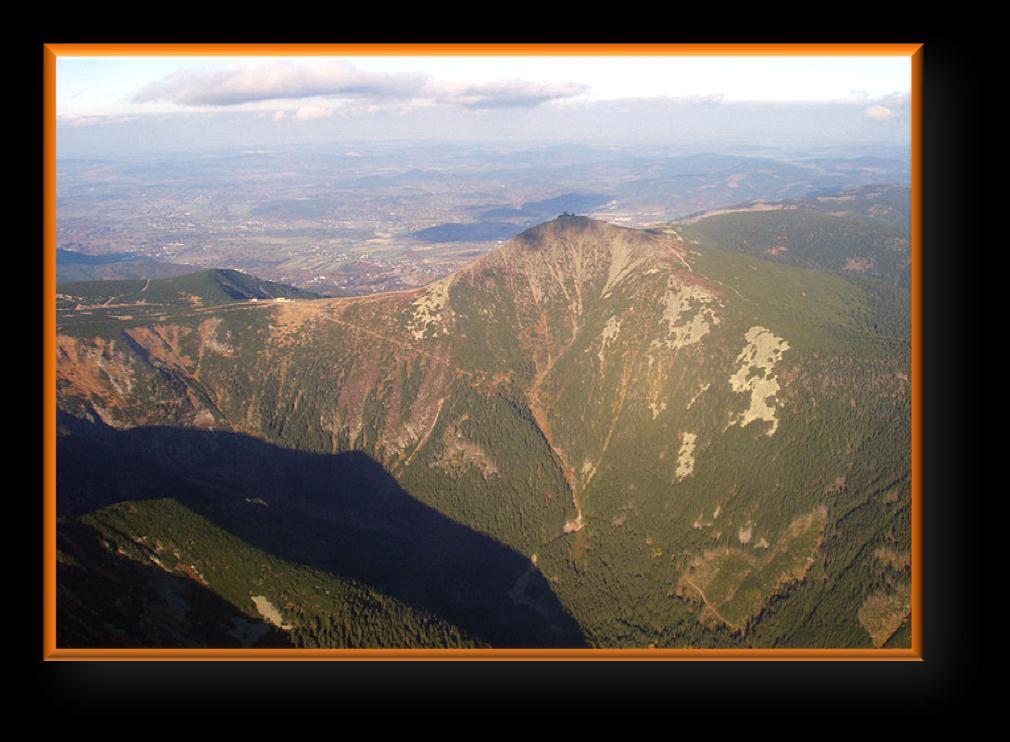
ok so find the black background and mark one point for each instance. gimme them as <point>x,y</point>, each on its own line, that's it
<point>772,695</point>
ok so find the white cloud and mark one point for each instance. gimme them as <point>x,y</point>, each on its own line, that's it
<point>502,94</point>
<point>276,81</point>
<point>77,121</point>
<point>879,113</point>
<point>309,113</point>
<point>370,91</point>
<point>891,106</point>
<point>280,115</point>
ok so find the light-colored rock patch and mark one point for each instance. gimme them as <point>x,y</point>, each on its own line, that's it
<point>574,526</point>
<point>689,311</point>
<point>702,390</point>
<point>270,613</point>
<point>685,457</point>
<point>745,533</point>
<point>94,370</point>
<point>118,368</point>
<point>624,258</point>
<point>762,352</point>
<point>702,522</point>
<point>883,613</point>
<point>893,559</point>
<point>204,418</point>
<point>430,307</point>
<point>209,339</point>
<point>608,335</point>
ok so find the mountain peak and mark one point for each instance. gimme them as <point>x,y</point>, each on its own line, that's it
<point>566,225</point>
<point>578,247</point>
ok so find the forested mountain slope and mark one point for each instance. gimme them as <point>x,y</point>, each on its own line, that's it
<point>591,436</point>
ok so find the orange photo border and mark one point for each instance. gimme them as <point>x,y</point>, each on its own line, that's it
<point>50,52</point>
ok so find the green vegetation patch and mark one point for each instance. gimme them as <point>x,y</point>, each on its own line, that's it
<point>318,609</point>
<point>734,585</point>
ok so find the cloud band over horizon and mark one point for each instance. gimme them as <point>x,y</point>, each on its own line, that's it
<point>157,102</point>
<point>284,81</point>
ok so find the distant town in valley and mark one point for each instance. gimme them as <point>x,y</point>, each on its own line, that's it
<point>343,221</point>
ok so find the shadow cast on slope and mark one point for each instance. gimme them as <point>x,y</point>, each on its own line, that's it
<point>342,513</point>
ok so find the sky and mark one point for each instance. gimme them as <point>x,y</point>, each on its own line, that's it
<point>138,104</point>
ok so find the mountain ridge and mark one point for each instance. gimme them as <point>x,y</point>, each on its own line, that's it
<point>653,422</point>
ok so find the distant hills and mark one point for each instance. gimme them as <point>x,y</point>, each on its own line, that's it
<point>880,204</point>
<point>142,298</point>
<point>487,231</point>
<point>75,266</point>
<point>493,229</point>
<point>591,436</point>
<point>862,232</point>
